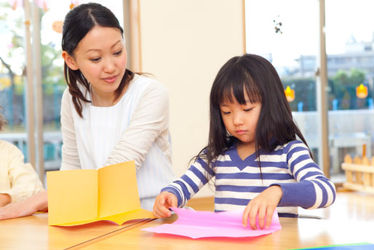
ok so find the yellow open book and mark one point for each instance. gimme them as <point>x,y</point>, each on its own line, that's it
<point>82,196</point>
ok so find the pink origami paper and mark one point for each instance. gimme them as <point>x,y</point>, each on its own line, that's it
<point>202,224</point>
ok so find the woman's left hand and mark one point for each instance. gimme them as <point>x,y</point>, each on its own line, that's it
<point>263,207</point>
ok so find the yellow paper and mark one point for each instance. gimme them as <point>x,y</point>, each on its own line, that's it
<point>119,190</point>
<point>78,197</point>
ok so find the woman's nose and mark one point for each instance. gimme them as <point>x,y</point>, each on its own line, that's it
<point>109,66</point>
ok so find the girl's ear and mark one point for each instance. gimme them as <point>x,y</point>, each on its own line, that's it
<point>69,60</point>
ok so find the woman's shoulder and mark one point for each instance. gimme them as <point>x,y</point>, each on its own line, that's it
<point>66,96</point>
<point>147,88</point>
<point>148,83</point>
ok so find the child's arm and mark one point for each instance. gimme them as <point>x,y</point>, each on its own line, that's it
<point>23,180</point>
<point>37,202</point>
<point>263,207</point>
<point>311,189</point>
<point>163,202</point>
<point>4,199</point>
<point>191,182</point>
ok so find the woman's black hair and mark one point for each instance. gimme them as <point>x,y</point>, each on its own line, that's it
<point>2,120</point>
<point>259,79</point>
<point>78,22</point>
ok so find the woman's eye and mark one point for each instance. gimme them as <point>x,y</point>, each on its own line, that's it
<point>226,113</point>
<point>95,59</point>
<point>118,53</point>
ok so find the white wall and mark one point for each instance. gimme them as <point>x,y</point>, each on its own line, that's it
<point>183,43</point>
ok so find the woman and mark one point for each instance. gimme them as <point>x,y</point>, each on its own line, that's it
<point>108,113</point>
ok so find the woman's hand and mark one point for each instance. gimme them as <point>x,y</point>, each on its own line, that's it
<point>163,202</point>
<point>263,207</point>
<point>37,202</point>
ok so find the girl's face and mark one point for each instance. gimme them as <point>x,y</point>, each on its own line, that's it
<point>241,120</point>
<point>101,57</point>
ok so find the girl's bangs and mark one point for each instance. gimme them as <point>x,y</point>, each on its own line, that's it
<point>235,87</point>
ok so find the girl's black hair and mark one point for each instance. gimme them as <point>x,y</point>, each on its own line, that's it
<point>78,22</point>
<point>259,79</point>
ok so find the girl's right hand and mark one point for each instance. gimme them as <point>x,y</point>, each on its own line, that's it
<point>163,202</point>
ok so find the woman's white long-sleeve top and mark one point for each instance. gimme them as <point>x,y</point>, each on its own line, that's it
<point>135,128</point>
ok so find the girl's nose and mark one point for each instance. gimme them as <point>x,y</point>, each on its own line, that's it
<point>238,119</point>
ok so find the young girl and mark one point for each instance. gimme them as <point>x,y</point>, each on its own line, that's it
<point>18,180</point>
<point>256,153</point>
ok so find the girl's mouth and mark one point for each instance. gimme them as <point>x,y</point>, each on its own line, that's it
<point>241,132</point>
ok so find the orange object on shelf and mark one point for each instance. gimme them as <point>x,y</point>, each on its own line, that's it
<point>362,91</point>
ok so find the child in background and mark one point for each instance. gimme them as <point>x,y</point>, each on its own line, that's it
<point>18,180</point>
<point>257,155</point>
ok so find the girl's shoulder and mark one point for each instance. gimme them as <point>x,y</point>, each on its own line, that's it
<point>227,155</point>
<point>289,146</point>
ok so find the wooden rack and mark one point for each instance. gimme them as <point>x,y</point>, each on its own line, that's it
<point>359,177</point>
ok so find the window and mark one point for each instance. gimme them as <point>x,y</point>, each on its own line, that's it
<point>45,48</point>
<point>286,32</point>
<point>350,50</point>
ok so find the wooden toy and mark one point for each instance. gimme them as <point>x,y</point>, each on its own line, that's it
<point>359,172</point>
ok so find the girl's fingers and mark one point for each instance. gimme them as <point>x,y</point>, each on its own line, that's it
<point>162,204</point>
<point>252,217</point>
<point>261,217</point>
<point>269,216</point>
<point>245,216</point>
<point>158,205</point>
<point>173,202</point>
<point>161,212</point>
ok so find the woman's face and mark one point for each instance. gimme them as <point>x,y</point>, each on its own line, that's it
<point>101,57</point>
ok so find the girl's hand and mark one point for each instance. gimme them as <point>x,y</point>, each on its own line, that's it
<point>263,207</point>
<point>163,202</point>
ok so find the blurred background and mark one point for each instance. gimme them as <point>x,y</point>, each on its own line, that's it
<point>322,49</point>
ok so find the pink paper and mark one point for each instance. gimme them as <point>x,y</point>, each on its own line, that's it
<point>201,224</point>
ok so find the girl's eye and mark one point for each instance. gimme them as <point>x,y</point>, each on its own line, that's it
<point>95,59</point>
<point>118,53</point>
<point>247,110</point>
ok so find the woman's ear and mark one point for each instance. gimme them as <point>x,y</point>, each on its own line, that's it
<point>69,60</point>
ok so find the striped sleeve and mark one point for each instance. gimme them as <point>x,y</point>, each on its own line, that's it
<point>198,174</point>
<point>311,189</point>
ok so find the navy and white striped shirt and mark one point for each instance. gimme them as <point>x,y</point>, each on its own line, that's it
<point>238,181</point>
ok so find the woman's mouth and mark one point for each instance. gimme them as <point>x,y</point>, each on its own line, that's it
<point>111,79</point>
